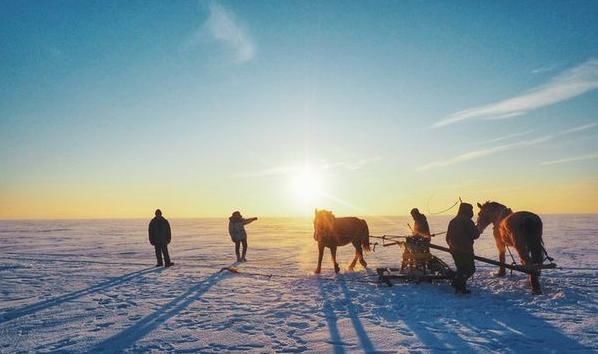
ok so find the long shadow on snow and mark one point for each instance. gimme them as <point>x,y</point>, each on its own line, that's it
<point>129,336</point>
<point>58,260</point>
<point>331,319</point>
<point>42,305</point>
<point>326,290</point>
<point>501,326</point>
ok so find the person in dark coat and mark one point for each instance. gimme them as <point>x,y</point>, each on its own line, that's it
<point>420,226</point>
<point>236,230</point>
<point>159,237</point>
<point>414,254</point>
<point>460,236</point>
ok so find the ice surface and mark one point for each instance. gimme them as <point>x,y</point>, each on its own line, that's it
<point>81,286</point>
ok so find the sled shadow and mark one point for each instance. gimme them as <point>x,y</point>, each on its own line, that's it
<point>126,338</point>
<point>326,290</point>
<point>498,326</point>
<point>43,305</point>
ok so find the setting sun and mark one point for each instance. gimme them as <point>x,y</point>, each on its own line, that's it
<point>307,185</point>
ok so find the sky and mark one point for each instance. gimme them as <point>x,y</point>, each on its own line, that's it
<point>274,108</point>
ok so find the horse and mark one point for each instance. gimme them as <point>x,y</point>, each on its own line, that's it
<point>332,232</point>
<point>522,230</point>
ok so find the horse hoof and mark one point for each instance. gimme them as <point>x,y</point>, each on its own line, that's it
<point>536,292</point>
<point>337,269</point>
<point>500,274</point>
<point>317,271</point>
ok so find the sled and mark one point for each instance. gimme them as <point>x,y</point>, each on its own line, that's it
<point>418,264</point>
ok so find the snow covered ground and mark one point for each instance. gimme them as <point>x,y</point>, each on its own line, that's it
<point>81,286</point>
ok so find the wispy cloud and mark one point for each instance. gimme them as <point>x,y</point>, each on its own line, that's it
<point>350,165</point>
<point>570,83</point>
<point>592,156</point>
<point>482,153</point>
<point>472,155</point>
<point>579,128</point>
<point>507,137</point>
<point>223,26</point>
<point>544,69</point>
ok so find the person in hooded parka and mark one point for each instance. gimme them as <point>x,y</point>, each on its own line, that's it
<point>460,236</point>
<point>236,230</point>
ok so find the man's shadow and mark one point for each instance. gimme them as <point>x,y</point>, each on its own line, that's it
<point>43,305</point>
<point>141,328</point>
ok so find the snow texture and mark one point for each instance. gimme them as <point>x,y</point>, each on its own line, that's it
<point>91,286</point>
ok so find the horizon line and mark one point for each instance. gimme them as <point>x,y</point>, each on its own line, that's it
<point>266,217</point>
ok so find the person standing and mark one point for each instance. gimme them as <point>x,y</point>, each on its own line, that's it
<point>159,237</point>
<point>236,230</point>
<point>460,236</point>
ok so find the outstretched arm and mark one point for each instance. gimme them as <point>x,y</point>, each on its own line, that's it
<point>247,221</point>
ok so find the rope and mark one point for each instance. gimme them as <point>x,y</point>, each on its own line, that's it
<point>235,270</point>
<point>445,210</point>
<point>512,258</point>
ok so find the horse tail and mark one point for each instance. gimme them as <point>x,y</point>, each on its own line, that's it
<point>532,226</point>
<point>365,242</point>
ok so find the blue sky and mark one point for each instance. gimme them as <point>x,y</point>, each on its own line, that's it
<point>111,108</point>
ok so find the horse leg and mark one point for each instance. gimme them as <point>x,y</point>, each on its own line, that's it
<point>534,276</point>
<point>500,245</point>
<point>354,261</point>
<point>361,260</point>
<point>333,254</point>
<point>320,255</point>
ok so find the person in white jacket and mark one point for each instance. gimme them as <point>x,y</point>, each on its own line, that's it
<point>236,230</point>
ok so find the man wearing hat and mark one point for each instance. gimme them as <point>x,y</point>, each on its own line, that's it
<point>236,230</point>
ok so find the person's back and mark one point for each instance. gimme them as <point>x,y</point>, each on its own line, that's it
<point>420,224</point>
<point>159,231</point>
<point>159,237</point>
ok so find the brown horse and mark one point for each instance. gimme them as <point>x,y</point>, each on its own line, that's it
<point>521,230</point>
<point>332,232</point>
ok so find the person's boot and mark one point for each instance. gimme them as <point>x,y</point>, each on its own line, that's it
<point>170,264</point>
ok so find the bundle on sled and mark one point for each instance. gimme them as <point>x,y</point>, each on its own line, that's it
<point>417,264</point>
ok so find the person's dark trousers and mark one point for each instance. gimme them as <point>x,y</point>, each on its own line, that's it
<point>162,250</point>
<point>465,269</point>
<point>240,256</point>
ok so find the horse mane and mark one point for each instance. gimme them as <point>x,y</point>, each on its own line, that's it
<point>326,212</point>
<point>494,205</point>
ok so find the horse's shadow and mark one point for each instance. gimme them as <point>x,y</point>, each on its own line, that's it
<point>45,304</point>
<point>129,336</point>
<point>344,305</point>
<point>439,319</point>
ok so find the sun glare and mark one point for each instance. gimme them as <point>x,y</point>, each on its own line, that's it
<point>307,185</point>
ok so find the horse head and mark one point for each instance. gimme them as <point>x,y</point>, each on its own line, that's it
<point>491,213</point>
<point>323,224</point>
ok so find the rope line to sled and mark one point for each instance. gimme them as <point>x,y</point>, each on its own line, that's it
<point>272,275</point>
